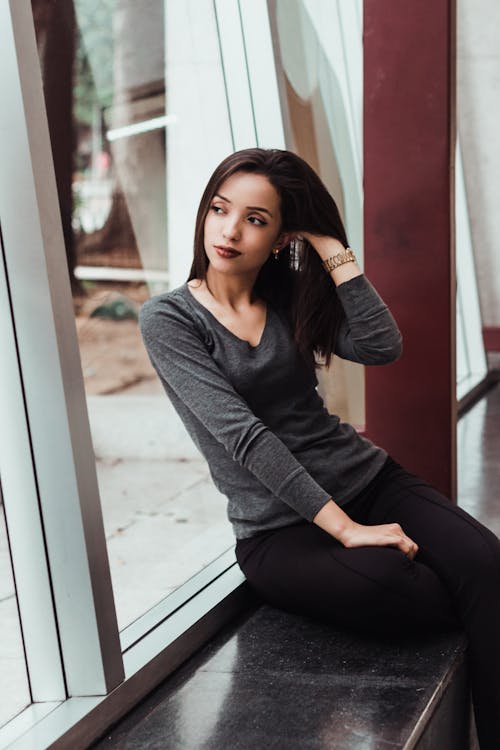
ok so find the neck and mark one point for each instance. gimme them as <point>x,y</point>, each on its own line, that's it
<point>235,291</point>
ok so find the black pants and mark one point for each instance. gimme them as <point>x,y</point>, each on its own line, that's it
<point>453,582</point>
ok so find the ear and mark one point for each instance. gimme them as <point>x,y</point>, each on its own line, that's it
<point>285,239</point>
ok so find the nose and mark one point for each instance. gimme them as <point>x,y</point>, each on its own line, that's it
<point>231,228</point>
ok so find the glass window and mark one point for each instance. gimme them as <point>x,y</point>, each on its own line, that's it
<point>144,77</point>
<point>14,686</point>
<point>318,58</point>
<point>471,356</point>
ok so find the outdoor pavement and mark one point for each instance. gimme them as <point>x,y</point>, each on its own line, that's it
<point>163,518</point>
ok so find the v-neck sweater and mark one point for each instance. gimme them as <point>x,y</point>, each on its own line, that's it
<point>254,412</point>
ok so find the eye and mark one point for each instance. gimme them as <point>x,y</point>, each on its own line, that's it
<point>260,222</point>
<point>216,209</point>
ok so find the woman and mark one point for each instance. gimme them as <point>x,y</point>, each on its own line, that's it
<point>327,524</point>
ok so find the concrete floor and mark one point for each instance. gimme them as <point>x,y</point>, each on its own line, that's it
<point>478,450</point>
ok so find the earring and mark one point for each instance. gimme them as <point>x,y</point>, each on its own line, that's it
<point>276,252</point>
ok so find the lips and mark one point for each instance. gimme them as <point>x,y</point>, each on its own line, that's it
<point>226,252</point>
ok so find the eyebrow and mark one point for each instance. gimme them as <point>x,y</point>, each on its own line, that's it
<point>251,208</point>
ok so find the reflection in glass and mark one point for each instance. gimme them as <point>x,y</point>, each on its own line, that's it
<point>319,65</point>
<point>163,518</point>
<point>14,687</point>
<point>471,361</point>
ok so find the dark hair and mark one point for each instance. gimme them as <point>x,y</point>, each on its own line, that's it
<point>295,282</point>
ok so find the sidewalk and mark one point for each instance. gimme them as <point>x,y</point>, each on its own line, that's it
<point>163,518</point>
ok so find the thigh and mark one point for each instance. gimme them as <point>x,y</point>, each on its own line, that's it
<point>454,544</point>
<point>303,569</point>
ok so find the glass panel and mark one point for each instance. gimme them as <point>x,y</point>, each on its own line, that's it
<point>144,76</point>
<point>475,167</point>
<point>14,687</point>
<point>471,356</point>
<point>318,48</point>
<point>463,367</point>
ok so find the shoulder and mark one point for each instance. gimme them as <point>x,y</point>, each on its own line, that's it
<point>170,300</point>
<point>165,309</point>
<point>170,313</point>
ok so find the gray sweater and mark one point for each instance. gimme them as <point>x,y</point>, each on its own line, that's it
<point>254,412</point>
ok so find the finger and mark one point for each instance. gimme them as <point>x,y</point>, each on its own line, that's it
<point>407,545</point>
<point>411,548</point>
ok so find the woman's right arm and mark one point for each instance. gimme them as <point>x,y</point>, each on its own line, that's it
<point>336,522</point>
<point>180,357</point>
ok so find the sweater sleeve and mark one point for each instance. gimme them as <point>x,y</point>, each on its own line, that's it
<point>368,334</point>
<point>181,359</point>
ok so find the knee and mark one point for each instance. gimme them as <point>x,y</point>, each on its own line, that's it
<point>382,570</point>
<point>480,560</point>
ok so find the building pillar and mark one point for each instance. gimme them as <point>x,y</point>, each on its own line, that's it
<point>409,161</point>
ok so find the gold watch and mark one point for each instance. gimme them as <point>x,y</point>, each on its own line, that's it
<point>330,264</point>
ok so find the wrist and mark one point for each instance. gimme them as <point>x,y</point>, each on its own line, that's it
<point>332,519</point>
<point>339,262</point>
<point>343,530</point>
<point>328,246</point>
<point>345,272</point>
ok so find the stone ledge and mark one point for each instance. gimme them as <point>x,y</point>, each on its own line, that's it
<point>277,680</point>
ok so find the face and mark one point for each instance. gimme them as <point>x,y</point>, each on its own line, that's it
<point>244,215</point>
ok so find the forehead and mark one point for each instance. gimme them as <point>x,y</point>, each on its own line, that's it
<point>247,189</point>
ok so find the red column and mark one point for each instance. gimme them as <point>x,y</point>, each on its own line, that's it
<point>409,157</point>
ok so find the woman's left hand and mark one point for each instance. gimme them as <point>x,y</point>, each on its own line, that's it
<point>325,245</point>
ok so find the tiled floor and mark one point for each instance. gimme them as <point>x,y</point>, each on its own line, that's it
<point>280,681</point>
<point>478,449</point>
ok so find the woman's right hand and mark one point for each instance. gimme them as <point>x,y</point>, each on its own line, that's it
<point>385,535</point>
<point>338,524</point>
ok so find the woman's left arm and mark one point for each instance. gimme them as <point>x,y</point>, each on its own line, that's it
<point>326,247</point>
<point>369,334</point>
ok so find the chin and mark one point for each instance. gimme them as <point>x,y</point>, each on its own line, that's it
<point>225,271</point>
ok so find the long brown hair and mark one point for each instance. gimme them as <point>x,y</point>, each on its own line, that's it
<point>296,282</point>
